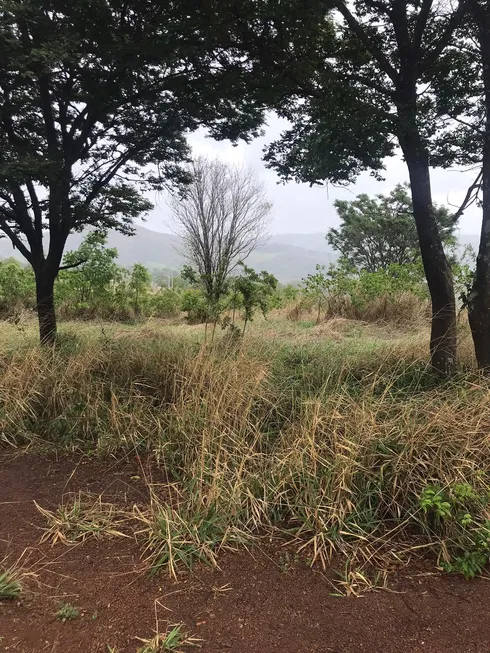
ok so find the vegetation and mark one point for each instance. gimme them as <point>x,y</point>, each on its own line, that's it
<point>376,233</point>
<point>75,151</point>
<point>67,612</point>
<point>251,436</point>
<point>311,414</point>
<point>221,218</point>
<point>10,583</point>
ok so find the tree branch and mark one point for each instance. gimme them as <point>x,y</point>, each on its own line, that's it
<point>421,23</point>
<point>69,266</point>
<point>453,23</point>
<point>14,239</point>
<point>373,49</point>
<point>470,197</point>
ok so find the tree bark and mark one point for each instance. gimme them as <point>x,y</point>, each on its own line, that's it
<point>479,298</point>
<point>45,305</point>
<point>443,340</point>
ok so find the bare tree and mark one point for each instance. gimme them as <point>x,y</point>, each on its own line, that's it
<point>221,218</point>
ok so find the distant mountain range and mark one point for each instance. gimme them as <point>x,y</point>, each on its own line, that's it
<point>290,257</point>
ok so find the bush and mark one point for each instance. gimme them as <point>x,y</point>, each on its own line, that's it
<point>165,303</point>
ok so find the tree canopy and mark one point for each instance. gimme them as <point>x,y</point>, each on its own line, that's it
<point>377,232</point>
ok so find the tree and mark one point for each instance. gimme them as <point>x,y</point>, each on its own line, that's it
<point>96,99</point>
<point>90,271</point>
<point>479,296</point>
<point>221,218</point>
<point>139,285</point>
<point>378,232</point>
<point>256,290</point>
<point>365,82</point>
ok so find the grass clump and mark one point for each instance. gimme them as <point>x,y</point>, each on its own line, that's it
<point>181,537</point>
<point>10,583</point>
<point>172,640</point>
<point>79,517</point>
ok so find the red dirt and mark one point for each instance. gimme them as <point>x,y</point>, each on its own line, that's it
<point>261,607</point>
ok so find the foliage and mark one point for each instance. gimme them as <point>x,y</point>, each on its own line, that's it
<point>378,232</point>
<point>166,303</point>
<point>139,286</point>
<point>255,290</point>
<point>458,514</point>
<point>10,584</point>
<point>341,290</point>
<point>17,288</point>
<point>172,640</point>
<point>94,269</point>
<point>196,305</point>
<point>67,612</point>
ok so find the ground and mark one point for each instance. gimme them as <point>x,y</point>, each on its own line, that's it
<point>257,601</point>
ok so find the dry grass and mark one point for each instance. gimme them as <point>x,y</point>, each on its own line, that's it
<point>79,517</point>
<point>327,442</point>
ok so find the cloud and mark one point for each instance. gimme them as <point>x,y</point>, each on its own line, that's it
<point>301,209</point>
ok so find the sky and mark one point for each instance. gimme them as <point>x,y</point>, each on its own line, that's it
<point>297,208</point>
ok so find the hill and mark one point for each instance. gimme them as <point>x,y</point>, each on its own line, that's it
<point>290,257</point>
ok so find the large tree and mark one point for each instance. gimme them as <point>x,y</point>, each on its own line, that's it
<point>376,232</point>
<point>364,87</point>
<point>479,128</point>
<point>96,99</point>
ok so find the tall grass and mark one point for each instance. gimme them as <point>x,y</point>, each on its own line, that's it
<point>332,444</point>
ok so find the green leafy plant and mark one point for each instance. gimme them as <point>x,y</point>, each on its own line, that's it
<point>10,584</point>
<point>67,612</point>
<point>457,514</point>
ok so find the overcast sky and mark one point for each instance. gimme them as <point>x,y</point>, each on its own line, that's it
<point>297,208</point>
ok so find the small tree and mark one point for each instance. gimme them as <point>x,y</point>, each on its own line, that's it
<point>256,290</point>
<point>139,286</point>
<point>376,232</point>
<point>91,269</point>
<point>221,218</point>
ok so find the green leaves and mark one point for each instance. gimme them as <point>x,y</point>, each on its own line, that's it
<point>377,232</point>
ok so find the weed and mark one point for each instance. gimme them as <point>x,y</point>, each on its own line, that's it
<point>457,514</point>
<point>172,640</point>
<point>67,612</point>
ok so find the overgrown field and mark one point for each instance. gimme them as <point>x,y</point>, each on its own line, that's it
<point>334,436</point>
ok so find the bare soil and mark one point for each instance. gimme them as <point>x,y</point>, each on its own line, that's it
<point>253,604</point>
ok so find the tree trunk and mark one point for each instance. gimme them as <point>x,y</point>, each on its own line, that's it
<point>479,298</point>
<point>45,306</point>
<point>443,341</point>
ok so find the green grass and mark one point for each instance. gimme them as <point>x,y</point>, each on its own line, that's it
<point>10,584</point>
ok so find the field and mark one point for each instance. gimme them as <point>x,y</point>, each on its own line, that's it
<point>312,488</point>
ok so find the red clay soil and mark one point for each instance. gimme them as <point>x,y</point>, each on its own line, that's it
<point>250,605</point>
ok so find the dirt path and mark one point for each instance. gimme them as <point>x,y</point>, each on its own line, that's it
<point>251,605</point>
